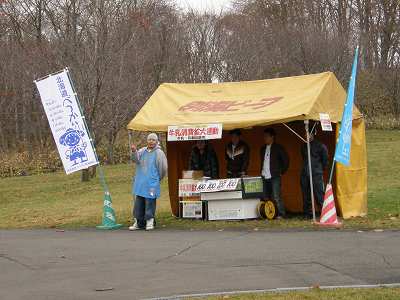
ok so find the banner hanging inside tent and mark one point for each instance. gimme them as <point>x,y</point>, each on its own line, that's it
<point>66,122</point>
<point>194,132</point>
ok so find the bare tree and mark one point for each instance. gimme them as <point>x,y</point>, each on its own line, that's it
<point>120,51</point>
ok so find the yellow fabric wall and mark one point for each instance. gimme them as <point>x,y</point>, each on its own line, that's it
<point>351,187</point>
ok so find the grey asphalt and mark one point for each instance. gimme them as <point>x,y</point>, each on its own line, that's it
<point>47,264</point>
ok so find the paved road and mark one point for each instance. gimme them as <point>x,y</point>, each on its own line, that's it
<point>46,264</point>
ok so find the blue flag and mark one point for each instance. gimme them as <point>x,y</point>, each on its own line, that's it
<point>343,147</point>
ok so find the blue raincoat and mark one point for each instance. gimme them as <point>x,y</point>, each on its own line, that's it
<point>147,180</point>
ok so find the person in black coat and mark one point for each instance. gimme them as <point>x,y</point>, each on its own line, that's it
<point>274,163</point>
<point>203,158</point>
<point>237,155</point>
<point>319,161</point>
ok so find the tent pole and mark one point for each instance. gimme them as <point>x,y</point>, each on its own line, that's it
<point>306,124</point>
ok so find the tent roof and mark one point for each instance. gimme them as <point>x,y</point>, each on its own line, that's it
<point>243,104</point>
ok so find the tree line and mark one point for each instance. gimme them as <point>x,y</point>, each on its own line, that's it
<point>120,51</point>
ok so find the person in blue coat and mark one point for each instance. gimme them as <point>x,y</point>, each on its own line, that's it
<point>151,168</point>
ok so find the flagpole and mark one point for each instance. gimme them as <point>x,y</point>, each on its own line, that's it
<point>109,220</point>
<point>331,173</point>
<point>343,142</point>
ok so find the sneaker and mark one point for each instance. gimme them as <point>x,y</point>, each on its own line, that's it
<point>150,224</point>
<point>135,226</point>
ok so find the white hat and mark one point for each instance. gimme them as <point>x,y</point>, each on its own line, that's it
<point>152,136</point>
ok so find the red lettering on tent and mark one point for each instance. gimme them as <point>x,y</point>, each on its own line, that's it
<point>263,102</point>
<point>208,106</point>
<point>224,106</point>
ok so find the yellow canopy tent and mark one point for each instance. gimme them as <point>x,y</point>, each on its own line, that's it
<point>251,106</point>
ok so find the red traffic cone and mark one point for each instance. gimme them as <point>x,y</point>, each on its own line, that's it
<point>328,213</point>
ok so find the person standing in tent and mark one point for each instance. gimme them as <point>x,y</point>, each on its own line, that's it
<point>203,158</point>
<point>319,161</point>
<point>237,154</point>
<point>151,167</point>
<point>274,163</point>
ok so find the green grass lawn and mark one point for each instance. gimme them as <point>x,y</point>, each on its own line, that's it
<point>58,200</point>
<point>317,294</point>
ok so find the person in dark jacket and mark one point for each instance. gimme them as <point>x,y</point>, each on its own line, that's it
<point>204,158</point>
<point>237,154</point>
<point>274,163</point>
<point>319,161</point>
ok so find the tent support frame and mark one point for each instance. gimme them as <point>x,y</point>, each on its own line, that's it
<point>307,141</point>
<point>292,130</point>
<point>307,125</point>
<point>297,134</point>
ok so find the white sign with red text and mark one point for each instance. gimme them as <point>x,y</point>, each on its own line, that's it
<point>194,132</point>
<point>325,122</point>
<point>187,188</point>
<point>217,185</point>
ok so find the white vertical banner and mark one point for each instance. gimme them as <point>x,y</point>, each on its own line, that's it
<point>66,122</point>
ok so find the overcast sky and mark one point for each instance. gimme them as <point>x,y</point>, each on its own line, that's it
<point>204,5</point>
